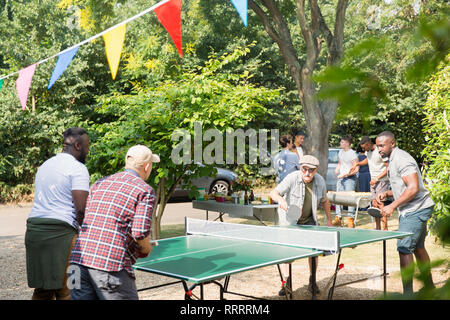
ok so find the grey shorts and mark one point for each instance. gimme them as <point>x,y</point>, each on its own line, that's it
<point>379,187</point>
<point>416,223</point>
<point>93,284</point>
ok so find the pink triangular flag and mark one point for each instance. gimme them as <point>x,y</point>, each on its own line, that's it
<point>169,14</point>
<point>23,84</point>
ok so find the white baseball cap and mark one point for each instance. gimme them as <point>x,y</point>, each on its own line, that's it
<point>139,154</point>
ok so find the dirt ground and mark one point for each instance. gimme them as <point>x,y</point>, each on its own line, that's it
<point>360,262</point>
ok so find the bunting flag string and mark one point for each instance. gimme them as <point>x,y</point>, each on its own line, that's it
<point>168,13</point>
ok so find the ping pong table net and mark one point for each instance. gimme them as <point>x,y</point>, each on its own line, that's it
<point>288,236</point>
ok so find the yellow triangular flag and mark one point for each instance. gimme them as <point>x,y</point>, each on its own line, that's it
<point>113,45</point>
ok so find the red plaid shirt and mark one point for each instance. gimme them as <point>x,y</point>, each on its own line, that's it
<point>118,206</point>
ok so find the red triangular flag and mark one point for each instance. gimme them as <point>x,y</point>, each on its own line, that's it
<point>169,14</point>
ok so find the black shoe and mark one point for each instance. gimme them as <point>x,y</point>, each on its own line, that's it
<point>313,286</point>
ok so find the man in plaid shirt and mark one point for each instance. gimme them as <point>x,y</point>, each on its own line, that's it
<point>115,231</point>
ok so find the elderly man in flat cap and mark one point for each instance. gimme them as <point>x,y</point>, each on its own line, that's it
<point>307,190</point>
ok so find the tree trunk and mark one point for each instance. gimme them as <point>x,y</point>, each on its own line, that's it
<point>319,115</point>
<point>158,210</point>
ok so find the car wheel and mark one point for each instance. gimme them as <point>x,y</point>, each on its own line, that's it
<point>221,186</point>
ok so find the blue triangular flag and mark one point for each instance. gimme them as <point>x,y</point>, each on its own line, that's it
<point>63,61</point>
<point>242,8</point>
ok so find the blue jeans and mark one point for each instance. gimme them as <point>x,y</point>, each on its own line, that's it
<point>346,184</point>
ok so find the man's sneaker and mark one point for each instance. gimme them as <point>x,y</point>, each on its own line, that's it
<point>337,222</point>
<point>351,223</point>
<point>313,285</point>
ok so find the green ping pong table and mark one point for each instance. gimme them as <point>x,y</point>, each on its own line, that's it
<point>211,251</point>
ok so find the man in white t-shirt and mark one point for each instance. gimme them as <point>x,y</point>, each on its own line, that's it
<point>346,174</point>
<point>61,191</point>
<point>378,168</point>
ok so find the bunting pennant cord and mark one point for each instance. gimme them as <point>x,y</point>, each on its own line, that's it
<point>168,13</point>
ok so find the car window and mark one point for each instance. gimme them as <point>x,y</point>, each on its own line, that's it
<point>333,156</point>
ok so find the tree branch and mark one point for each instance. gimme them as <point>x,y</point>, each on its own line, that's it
<point>311,48</point>
<point>316,15</point>
<point>265,21</point>
<point>279,33</point>
<point>336,49</point>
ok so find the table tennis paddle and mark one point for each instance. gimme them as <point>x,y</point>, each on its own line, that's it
<point>374,212</point>
<point>293,214</point>
<point>154,243</point>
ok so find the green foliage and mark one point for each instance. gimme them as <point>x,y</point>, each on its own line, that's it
<point>151,116</point>
<point>357,89</point>
<point>428,291</point>
<point>31,31</point>
<point>379,83</point>
<point>20,192</point>
<point>436,34</point>
<point>27,139</point>
<point>35,29</point>
<point>437,149</point>
<point>399,74</point>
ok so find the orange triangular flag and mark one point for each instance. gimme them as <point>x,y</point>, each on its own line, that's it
<point>169,14</point>
<point>113,45</point>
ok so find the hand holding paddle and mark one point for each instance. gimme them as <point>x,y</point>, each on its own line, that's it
<point>374,212</point>
<point>283,204</point>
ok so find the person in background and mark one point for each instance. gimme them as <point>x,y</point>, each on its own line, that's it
<point>115,231</point>
<point>299,137</point>
<point>61,188</point>
<point>414,206</point>
<point>346,175</point>
<point>379,182</point>
<point>363,174</point>
<point>287,160</point>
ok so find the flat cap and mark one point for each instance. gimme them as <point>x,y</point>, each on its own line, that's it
<point>309,161</point>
